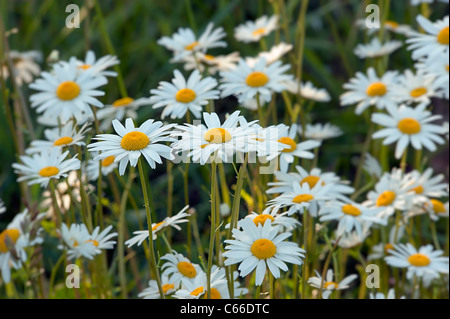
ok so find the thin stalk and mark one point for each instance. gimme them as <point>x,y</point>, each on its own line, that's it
<point>213,227</point>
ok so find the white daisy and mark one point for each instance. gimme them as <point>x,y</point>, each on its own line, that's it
<point>39,168</point>
<point>253,31</point>
<point>436,209</point>
<point>421,262</point>
<point>372,166</point>
<point>97,66</point>
<point>77,242</point>
<point>320,131</point>
<point>417,88</point>
<point>25,66</point>
<point>210,63</point>
<point>370,89</point>
<point>197,288</point>
<point>268,144</point>
<point>131,142</point>
<point>383,249</point>
<point>353,238</point>
<point>426,185</point>
<point>406,125</point>
<point>260,247</point>
<point>179,268</point>
<point>375,48</point>
<point>380,295</point>
<point>275,54</point>
<point>152,291</point>
<point>183,95</point>
<point>287,223</point>
<point>389,25</point>
<point>436,69</point>
<point>307,91</point>
<point>106,165</point>
<point>102,240</point>
<point>328,285</point>
<point>65,93</point>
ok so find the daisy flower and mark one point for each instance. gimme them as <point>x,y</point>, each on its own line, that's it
<point>389,25</point>
<point>383,249</point>
<point>375,48</point>
<point>261,80</point>
<point>353,238</point>
<point>275,54</point>
<point>406,125</point>
<point>179,268</point>
<point>77,242</point>
<point>307,91</point>
<point>253,31</point>
<point>62,137</point>
<point>422,262</point>
<point>120,109</point>
<point>197,288</point>
<point>436,209</point>
<point>221,141</point>
<point>102,240</point>
<point>436,69</point>
<point>183,95</point>
<point>39,168</point>
<point>173,221</point>
<point>97,66</point>
<point>106,165</point>
<point>417,88</point>
<point>268,144</point>
<point>131,142</point>
<point>65,93</point>
<point>24,66</point>
<point>184,42</point>
<point>372,166</point>
<point>320,131</point>
<point>210,63</point>
<point>426,185</point>
<point>328,285</point>
<point>380,295</point>
<point>259,247</point>
<point>287,223</point>
<point>152,291</point>
<point>367,90</point>
<point>433,42</point>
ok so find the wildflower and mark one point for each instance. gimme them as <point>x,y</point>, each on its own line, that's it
<point>307,91</point>
<point>328,285</point>
<point>152,291</point>
<point>253,31</point>
<point>375,48</point>
<point>24,66</point>
<point>179,268</point>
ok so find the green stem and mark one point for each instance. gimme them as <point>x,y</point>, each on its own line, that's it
<point>213,227</point>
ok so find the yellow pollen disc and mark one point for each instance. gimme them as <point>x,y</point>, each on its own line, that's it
<point>409,126</point>
<point>197,291</point>
<point>261,219</point>
<point>108,161</point>
<point>376,89</point>
<point>302,198</point>
<point>388,247</point>
<point>259,31</point>
<point>12,233</point>
<point>134,141</point>
<point>351,210</point>
<point>157,225</point>
<point>49,171</point>
<point>386,198</point>
<point>94,242</point>
<point>311,181</point>
<point>84,66</point>
<point>288,141</point>
<point>122,102</point>
<point>419,260</point>
<point>191,46</point>
<point>215,294</point>
<point>209,57</point>
<point>185,96</point>
<point>186,269</point>
<point>418,92</point>
<point>217,136</point>
<point>68,90</point>
<point>75,243</point>
<point>446,67</point>
<point>418,190</point>
<point>263,248</point>
<point>442,37</point>
<point>256,79</point>
<point>438,206</point>
<point>392,24</point>
<point>167,287</point>
<point>63,141</point>
<point>329,283</point>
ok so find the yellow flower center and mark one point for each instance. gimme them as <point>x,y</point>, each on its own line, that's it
<point>197,291</point>
<point>215,294</point>
<point>419,260</point>
<point>438,206</point>
<point>261,219</point>
<point>68,90</point>
<point>157,225</point>
<point>185,96</point>
<point>108,161</point>
<point>351,210</point>
<point>418,92</point>
<point>409,126</point>
<point>209,57</point>
<point>392,24</point>
<point>386,198</point>
<point>94,242</point>
<point>63,141</point>
<point>12,233</point>
<point>388,247</point>
<point>311,180</point>
<point>256,79</point>
<point>217,136</point>
<point>49,171</point>
<point>84,66</point>
<point>302,198</point>
<point>167,287</point>
<point>442,37</point>
<point>418,190</point>
<point>259,31</point>
<point>263,248</point>
<point>288,141</point>
<point>376,89</point>
<point>122,102</point>
<point>330,283</point>
<point>186,269</point>
<point>191,46</point>
<point>134,141</point>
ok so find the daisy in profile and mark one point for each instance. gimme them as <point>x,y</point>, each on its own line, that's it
<point>122,108</point>
<point>275,54</point>
<point>131,142</point>
<point>370,89</point>
<point>173,221</point>
<point>66,93</point>
<point>260,81</point>
<point>259,247</point>
<point>389,25</point>
<point>62,137</point>
<point>183,95</point>
<point>409,126</point>
<point>375,48</point>
<point>179,268</point>
<point>320,131</point>
<point>436,69</point>
<point>39,168</point>
<point>197,288</point>
<point>417,88</point>
<point>353,238</point>
<point>307,91</point>
<point>152,291</point>
<point>372,166</point>
<point>436,209</point>
<point>25,66</point>
<point>211,63</point>
<point>184,42</point>
<point>102,239</point>
<point>214,140</point>
<point>380,295</point>
<point>106,165</point>
<point>268,144</point>
<point>382,249</point>
<point>328,285</point>
<point>422,262</point>
<point>253,31</point>
<point>428,186</point>
<point>76,240</point>
<point>287,223</point>
<point>432,43</point>
<point>97,66</point>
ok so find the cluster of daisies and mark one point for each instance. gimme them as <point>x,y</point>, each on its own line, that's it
<point>68,100</point>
